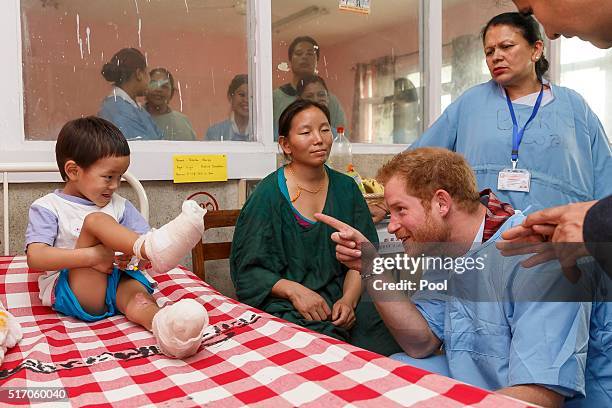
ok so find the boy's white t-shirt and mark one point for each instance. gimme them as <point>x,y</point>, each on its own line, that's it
<point>56,220</point>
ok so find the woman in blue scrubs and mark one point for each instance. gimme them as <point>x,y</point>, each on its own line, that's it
<point>237,126</point>
<point>534,143</point>
<point>127,70</point>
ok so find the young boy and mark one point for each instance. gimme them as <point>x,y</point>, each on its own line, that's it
<point>74,233</point>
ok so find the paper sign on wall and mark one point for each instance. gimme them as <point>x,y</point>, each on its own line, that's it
<point>194,168</point>
<point>360,6</point>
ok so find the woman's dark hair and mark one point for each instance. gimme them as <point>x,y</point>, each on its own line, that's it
<point>87,140</point>
<point>299,105</point>
<point>529,28</point>
<point>123,65</point>
<point>236,83</point>
<point>310,79</point>
<point>301,39</point>
<point>168,75</point>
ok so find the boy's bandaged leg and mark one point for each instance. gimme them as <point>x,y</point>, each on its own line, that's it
<point>10,332</point>
<point>166,246</point>
<point>179,328</point>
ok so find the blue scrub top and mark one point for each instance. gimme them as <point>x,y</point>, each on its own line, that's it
<point>224,131</point>
<point>135,123</point>
<point>497,344</point>
<point>598,374</point>
<point>565,147</point>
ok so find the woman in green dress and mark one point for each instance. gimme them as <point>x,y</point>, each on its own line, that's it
<point>283,262</point>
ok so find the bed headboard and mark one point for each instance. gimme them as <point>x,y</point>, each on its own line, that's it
<point>6,168</point>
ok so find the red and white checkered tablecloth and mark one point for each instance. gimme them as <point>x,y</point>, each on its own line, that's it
<point>248,358</point>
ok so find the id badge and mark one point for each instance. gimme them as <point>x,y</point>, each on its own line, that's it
<point>514,180</point>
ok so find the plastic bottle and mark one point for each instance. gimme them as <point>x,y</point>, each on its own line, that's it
<point>341,156</point>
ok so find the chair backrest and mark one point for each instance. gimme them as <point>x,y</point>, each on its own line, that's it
<point>211,251</point>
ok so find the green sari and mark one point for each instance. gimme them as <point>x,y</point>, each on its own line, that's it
<point>270,245</point>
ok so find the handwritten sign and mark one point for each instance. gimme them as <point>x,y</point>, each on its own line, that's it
<point>359,6</point>
<point>195,168</point>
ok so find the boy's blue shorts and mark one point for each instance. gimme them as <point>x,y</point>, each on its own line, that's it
<point>67,303</point>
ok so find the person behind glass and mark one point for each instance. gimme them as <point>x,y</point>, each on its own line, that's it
<point>237,126</point>
<point>282,261</point>
<point>314,88</point>
<point>535,143</point>
<point>174,125</point>
<point>303,56</point>
<point>127,71</point>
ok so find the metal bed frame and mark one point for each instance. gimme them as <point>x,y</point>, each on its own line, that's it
<point>6,168</point>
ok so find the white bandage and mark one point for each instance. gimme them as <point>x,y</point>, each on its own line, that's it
<point>179,328</point>
<point>165,247</point>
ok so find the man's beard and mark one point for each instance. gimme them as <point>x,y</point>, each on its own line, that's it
<point>431,239</point>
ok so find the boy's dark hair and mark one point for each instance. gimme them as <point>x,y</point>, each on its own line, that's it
<point>299,105</point>
<point>87,140</point>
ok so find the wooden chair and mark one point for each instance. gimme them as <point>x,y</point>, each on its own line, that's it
<point>203,252</point>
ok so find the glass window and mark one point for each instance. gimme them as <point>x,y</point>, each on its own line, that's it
<point>463,63</point>
<point>170,70</point>
<point>588,70</point>
<point>369,64</point>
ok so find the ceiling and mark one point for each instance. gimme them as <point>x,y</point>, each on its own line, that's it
<point>228,16</point>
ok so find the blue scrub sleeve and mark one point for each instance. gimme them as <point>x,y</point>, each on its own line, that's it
<point>549,345</point>
<point>549,339</point>
<point>443,133</point>
<point>602,157</point>
<point>132,122</point>
<point>434,312</point>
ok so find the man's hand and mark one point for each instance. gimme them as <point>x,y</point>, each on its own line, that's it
<point>343,314</point>
<point>561,226</point>
<point>309,303</point>
<point>348,241</point>
<point>557,224</point>
<point>102,258</point>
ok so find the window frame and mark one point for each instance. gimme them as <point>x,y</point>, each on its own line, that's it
<point>245,159</point>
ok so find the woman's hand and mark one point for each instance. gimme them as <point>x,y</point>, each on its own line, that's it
<point>309,303</point>
<point>343,314</point>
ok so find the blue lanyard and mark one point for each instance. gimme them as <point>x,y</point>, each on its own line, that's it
<point>517,134</point>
